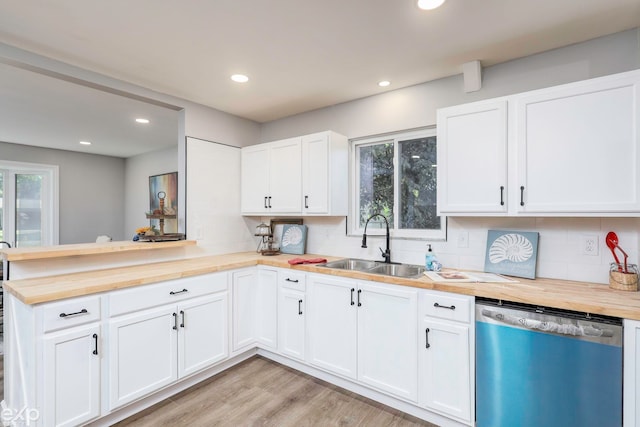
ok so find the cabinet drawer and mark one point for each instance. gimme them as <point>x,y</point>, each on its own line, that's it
<point>292,280</point>
<point>446,306</point>
<point>72,312</point>
<point>147,296</point>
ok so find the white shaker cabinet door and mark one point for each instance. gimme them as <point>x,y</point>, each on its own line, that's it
<point>291,323</point>
<point>266,308</point>
<point>445,360</point>
<point>254,179</point>
<point>244,283</point>
<point>332,329</point>
<point>142,353</point>
<point>472,158</point>
<point>285,176</point>
<point>202,333</point>
<point>72,376</point>
<point>387,338</point>
<point>579,148</point>
<point>315,170</point>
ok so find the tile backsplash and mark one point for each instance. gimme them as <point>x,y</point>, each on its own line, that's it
<point>560,254</point>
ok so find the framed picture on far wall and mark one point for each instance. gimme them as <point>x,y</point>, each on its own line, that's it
<point>168,184</point>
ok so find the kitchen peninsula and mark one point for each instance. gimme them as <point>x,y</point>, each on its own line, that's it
<point>92,320</point>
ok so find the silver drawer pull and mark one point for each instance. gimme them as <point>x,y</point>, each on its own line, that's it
<point>77,313</point>
<point>178,292</point>
<point>450,307</point>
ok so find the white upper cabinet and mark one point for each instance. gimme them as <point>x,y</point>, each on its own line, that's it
<point>324,174</point>
<point>569,150</point>
<point>271,178</point>
<point>254,179</point>
<point>578,147</point>
<point>472,158</point>
<point>303,175</point>
<point>285,170</point>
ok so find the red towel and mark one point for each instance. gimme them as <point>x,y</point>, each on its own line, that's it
<point>296,261</point>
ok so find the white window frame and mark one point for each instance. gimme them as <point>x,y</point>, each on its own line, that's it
<point>50,198</point>
<point>395,231</point>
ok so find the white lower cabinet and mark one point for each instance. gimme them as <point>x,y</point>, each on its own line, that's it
<point>143,354</point>
<point>267,308</point>
<point>291,314</point>
<point>72,376</point>
<point>631,380</point>
<point>446,372</point>
<point>255,316</point>
<point>365,331</point>
<point>244,283</point>
<point>203,337</point>
<point>332,316</point>
<point>152,348</point>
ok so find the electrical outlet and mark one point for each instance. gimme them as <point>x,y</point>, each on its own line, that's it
<point>463,239</point>
<point>589,245</point>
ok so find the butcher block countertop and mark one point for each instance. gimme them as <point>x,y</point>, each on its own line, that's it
<point>580,296</point>
<point>80,249</point>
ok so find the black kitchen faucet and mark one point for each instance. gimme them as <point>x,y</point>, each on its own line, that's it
<point>386,254</point>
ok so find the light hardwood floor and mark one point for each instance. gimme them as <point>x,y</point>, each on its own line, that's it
<point>259,392</point>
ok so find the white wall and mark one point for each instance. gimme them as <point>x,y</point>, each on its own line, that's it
<point>559,254</point>
<point>213,199</point>
<point>416,106</point>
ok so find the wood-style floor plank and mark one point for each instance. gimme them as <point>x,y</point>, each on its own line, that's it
<point>262,393</point>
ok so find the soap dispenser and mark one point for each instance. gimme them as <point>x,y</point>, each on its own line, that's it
<point>430,261</point>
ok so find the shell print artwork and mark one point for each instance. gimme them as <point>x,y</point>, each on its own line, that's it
<point>510,247</point>
<point>292,236</point>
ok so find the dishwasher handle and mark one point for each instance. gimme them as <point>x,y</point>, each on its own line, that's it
<point>547,326</point>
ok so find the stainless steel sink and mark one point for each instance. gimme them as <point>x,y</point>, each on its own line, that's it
<point>351,264</point>
<point>375,267</point>
<point>398,270</point>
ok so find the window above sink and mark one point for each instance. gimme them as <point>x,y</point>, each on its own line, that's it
<point>395,175</point>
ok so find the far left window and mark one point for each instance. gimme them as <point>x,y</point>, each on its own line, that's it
<point>28,204</point>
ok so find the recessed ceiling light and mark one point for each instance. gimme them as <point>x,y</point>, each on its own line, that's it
<point>430,4</point>
<point>240,78</point>
<point>85,143</point>
<point>144,121</point>
<point>384,83</point>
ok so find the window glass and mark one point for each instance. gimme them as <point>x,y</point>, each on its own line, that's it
<point>28,204</point>
<point>418,189</point>
<point>376,182</point>
<point>28,210</point>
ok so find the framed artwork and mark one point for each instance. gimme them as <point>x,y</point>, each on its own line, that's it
<point>513,253</point>
<point>167,183</point>
<point>294,239</point>
<point>276,225</point>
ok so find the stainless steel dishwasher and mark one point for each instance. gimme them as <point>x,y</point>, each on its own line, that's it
<point>538,366</point>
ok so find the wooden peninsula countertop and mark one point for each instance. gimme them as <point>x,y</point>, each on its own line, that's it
<point>81,249</point>
<point>580,296</point>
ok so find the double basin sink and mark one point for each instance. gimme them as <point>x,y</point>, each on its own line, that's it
<point>407,271</point>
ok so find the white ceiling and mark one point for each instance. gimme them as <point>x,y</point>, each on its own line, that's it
<point>44,111</point>
<point>299,54</point>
